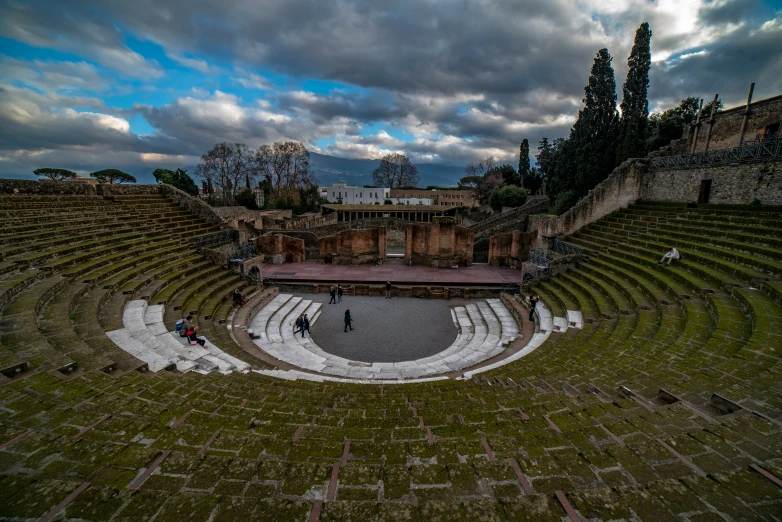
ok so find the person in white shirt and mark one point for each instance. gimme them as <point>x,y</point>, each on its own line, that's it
<point>671,254</point>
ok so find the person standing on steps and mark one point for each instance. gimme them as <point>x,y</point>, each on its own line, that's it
<point>339,293</point>
<point>388,289</point>
<point>333,293</point>
<point>533,301</point>
<point>297,325</point>
<point>348,321</point>
<point>305,325</point>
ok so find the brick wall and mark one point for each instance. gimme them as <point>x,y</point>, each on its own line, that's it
<point>439,244</point>
<point>291,248</point>
<point>354,246</point>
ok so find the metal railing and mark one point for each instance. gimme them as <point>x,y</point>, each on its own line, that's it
<point>223,236</point>
<point>763,148</point>
<point>567,249</point>
<point>241,254</point>
<point>535,268</point>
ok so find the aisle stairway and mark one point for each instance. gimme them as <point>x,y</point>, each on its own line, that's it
<point>665,406</point>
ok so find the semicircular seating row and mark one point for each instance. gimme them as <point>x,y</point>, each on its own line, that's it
<point>485,328</point>
<point>146,337</point>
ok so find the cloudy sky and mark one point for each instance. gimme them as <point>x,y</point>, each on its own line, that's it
<point>155,83</point>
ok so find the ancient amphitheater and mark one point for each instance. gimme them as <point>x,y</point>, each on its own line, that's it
<point>640,392</point>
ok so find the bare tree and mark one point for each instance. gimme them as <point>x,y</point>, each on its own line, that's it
<point>286,167</point>
<point>395,171</point>
<point>226,166</point>
<point>479,168</point>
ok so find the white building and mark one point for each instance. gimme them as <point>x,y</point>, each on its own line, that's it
<point>347,195</point>
<point>411,201</point>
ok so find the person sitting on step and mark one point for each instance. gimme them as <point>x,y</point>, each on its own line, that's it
<point>671,254</point>
<point>238,297</point>
<point>186,325</point>
<point>193,338</point>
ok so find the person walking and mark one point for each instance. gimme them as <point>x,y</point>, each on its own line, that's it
<point>348,321</point>
<point>305,325</point>
<point>298,325</point>
<point>333,293</point>
<point>339,293</point>
<point>533,301</point>
<point>388,289</point>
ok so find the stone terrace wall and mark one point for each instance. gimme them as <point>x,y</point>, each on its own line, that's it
<point>620,189</point>
<point>198,207</point>
<point>511,220</point>
<point>726,129</point>
<point>50,188</point>
<point>730,184</point>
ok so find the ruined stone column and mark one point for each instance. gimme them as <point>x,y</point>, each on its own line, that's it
<point>746,115</point>
<point>710,122</point>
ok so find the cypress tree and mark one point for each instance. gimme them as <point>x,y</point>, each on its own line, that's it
<point>593,138</point>
<point>635,106</point>
<point>524,167</point>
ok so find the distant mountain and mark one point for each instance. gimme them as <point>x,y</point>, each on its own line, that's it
<point>327,169</point>
<point>331,169</point>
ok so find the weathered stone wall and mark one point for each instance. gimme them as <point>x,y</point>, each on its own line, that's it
<point>361,224</point>
<point>732,184</point>
<point>620,189</point>
<point>196,206</point>
<point>45,187</point>
<point>511,249</point>
<point>290,248</point>
<point>354,247</point>
<point>726,127</point>
<point>440,243</point>
<point>513,219</point>
<point>311,242</point>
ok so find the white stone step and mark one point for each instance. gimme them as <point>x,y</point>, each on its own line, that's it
<point>153,314</point>
<point>259,322</point>
<point>125,340</point>
<point>575,319</point>
<point>276,320</point>
<point>560,324</point>
<point>288,326</point>
<point>510,329</point>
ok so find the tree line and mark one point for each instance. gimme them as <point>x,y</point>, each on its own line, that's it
<point>110,176</point>
<point>601,138</point>
<point>231,172</point>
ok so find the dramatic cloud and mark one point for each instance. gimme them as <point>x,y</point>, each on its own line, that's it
<point>135,83</point>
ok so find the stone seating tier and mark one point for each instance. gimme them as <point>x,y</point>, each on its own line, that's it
<point>665,405</point>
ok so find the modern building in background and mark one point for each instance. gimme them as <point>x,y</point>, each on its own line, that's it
<point>348,195</point>
<point>436,197</point>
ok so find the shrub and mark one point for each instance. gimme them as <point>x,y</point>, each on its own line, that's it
<point>564,201</point>
<point>756,203</point>
<point>246,198</point>
<point>508,196</point>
